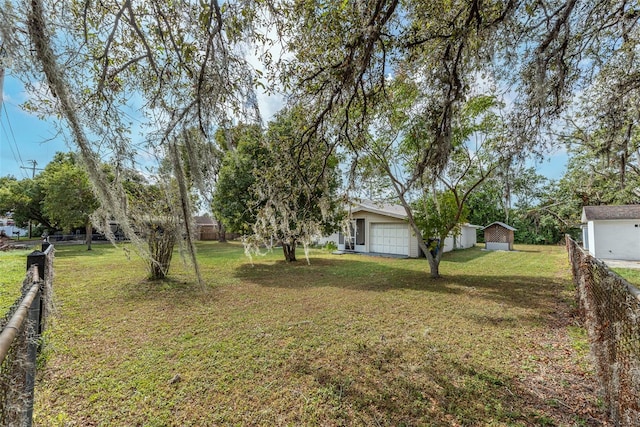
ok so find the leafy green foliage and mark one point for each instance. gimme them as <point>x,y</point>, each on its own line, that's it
<point>485,203</point>
<point>297,188</point>
<point>69,200</point>
<point>233,202</point>
<point>24,198</point>
<point>543,211</point>
<point>59,198</point>
<point>438,217</point>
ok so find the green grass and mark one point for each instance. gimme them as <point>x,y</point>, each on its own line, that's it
<point>630,274</point>
<point>12,272</point>
<point>347,340</point>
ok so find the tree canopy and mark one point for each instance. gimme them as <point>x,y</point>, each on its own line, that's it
<point>186,69</point>
<point>69,200</point>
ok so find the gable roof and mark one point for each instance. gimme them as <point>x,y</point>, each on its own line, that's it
<point>394,211</point>
<point>501,224</point>
<point>604,212</point>
<point>204,220</point>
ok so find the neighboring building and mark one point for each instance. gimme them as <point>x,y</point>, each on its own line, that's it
<point>467,238</point>
<point>383,228</point>
<point>612,232</point>
<point>206,228</point>
<point>499,236</point>
<point>10,230</point>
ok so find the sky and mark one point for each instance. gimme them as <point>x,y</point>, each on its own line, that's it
<point>25,138</point>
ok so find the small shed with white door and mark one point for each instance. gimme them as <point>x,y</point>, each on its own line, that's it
<point>466,239</point>
<point>612,232</point>
<point>499,236</point>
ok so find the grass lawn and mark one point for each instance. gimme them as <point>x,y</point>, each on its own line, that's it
<point>347,340</point>
<point>629,274</point>
<point>13,268</point>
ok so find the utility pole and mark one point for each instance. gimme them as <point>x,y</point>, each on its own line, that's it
<point>33,175</point>
<point>33,168</point>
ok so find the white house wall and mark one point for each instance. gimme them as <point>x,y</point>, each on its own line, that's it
<point>466,239</point>
<point>585,237</point>
<point>619,239</point>
<point>323,240</point>
<point>469,237</point>
<point>591,235</point>
<point>448,244</point>
<point>414,249</point>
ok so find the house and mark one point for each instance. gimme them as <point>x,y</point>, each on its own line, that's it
<point>8,227</point>
<point>499,236</point>
<point>383,228</point>
<point>612,232</point>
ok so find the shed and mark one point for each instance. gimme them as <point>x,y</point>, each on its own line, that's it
<point>498,236</point>
<point>467,238</point>
<point>612,232</point>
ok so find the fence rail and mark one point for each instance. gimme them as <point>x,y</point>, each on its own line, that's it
<point>610,309</point>
<point>20,339</point>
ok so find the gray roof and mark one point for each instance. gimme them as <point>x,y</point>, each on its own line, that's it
<point>394,211</point>
<point>593,213</point>
<point>501,224</point>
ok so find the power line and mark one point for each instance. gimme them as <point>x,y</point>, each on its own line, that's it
<point>18,158</point>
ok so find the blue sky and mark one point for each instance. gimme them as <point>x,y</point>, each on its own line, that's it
<point>24,137</point>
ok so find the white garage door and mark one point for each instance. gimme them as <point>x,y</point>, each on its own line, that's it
<point>389,239</point>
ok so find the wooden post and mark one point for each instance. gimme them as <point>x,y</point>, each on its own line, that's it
<point>38,258</point>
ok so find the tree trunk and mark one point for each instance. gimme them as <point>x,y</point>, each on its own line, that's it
<point>161,242</point>
<point>222,233</point>
<point>88,230</point>
<point>289,251</point>
<point>433,257</point>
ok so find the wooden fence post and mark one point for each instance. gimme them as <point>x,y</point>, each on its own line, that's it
<point>38,258</point>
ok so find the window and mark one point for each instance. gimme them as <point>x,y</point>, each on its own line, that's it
<point>360,231</point>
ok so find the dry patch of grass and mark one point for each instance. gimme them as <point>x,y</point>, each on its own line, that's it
<point>348,340</point>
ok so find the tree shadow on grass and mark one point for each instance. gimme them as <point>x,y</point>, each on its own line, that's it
<point>465,255</point>
<point>443,390</point>
<point>170,290</point>
<point>379,276</point>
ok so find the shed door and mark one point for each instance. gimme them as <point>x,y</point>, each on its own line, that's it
<point>389,238</point>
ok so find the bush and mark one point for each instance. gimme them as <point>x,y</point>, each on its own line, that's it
<point>331,246</point>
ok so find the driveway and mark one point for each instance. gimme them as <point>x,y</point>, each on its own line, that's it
<point>615,263</point>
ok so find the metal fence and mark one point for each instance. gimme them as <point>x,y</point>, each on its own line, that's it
<point>20,340</point>
<point>610,309</point>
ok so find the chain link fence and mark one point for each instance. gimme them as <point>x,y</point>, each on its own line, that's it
<point>610,309</point>
<point>20,340</point>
